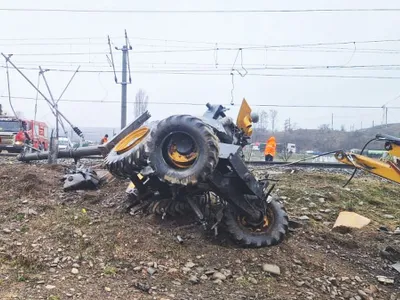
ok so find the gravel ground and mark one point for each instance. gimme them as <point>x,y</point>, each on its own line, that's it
<point>79,245</point>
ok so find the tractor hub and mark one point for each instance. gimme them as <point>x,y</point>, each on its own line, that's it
<point>181,150</point>
<point>131,140</point>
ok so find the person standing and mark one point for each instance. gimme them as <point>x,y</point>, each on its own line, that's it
<point>270,149</point>
<point>104,139</point>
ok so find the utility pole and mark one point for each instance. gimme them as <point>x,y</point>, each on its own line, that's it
<point>124,85</point>
<point>332,121</point>
<point>51,104</point>
<point>386,116</point>
<point>125,70</point>
<point>53,147</point>
<point>52,99</point>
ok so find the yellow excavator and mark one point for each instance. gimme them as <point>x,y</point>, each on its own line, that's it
<point>388,168</point>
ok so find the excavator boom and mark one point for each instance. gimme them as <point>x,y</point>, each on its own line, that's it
<point>389,169</point>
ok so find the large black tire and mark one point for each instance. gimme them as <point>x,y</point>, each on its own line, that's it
<point>204,139</point>
<point>272,235</point>
<point>123,165</point>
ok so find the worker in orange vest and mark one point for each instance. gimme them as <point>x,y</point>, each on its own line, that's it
<point>104,139</point>
<point>270,149</point>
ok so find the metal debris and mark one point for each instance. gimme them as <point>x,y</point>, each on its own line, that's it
<point>81,179</point>
<point>396,266</point>
<point>391,254</point>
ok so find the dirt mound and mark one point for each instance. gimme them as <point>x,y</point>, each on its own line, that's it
<point>30,179</point>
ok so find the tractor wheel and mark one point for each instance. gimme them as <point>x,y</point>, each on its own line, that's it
<point>270,232</point>
<point>129,155</point>
<point>183,150</point>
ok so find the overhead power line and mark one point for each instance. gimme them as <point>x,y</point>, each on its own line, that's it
<point>202,104</point>
<point>237,11</point>
<point>67,40</point>
<point>219,72</point>
<point>211,66</point>
<point>235,49</point>
<point>53,38</point>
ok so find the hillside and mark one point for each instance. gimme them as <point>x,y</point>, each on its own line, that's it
<point>327,140</point>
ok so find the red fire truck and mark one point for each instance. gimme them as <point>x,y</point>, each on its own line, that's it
<point>15,132</point>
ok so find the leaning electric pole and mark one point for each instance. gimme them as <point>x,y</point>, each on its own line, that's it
<point>125,70</point>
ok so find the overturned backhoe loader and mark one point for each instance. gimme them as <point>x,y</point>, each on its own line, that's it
<point>186,163</point>
<point>388,169</point>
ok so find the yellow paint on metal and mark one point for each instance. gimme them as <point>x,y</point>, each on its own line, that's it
<point>132,139</point>
<point>386,170</point>
<point>266,222</point>
<point>132,185</point>
<point>395,151</point>
<point>179,160</point>
<point>244,121</point>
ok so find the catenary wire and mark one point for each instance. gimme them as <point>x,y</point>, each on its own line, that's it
<point>202,104</point>
<point>213,43</point>
<point>218,73</point>
<point>221,11</point>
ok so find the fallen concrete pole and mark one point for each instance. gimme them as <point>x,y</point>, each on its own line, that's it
<point>71,153</point>
<point>139,121</point>
<point>100,150</point>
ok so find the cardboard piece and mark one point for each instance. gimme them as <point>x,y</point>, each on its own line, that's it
<point>349,220</point>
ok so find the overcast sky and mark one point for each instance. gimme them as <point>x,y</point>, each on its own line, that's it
<point>154,37</point>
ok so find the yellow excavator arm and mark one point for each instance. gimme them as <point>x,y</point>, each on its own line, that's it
<point>386,169</point>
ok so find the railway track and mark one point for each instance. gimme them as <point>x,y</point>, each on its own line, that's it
<point>299,165</point>
<point>281,164</point>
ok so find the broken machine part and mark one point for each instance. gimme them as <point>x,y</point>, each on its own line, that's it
<point>388,169</point>
<point>81,179</point>
<point>195,164</point>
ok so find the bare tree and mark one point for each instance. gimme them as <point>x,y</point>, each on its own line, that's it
<point>263,120</point>
<point>285,155</point>
<point>287,125</point>
<point>324,127</point>
<point>141,102</point>
<point>273,116</point>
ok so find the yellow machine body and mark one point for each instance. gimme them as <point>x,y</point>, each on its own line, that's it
<point>244,120</point>
<point>132,139</point>
<point>180,160</point>
<point>131,185</point>
<point>386,169</point>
